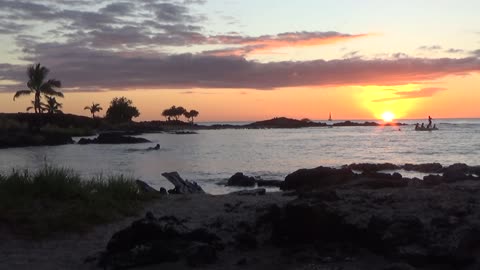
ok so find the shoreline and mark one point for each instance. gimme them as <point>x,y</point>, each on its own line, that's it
<point>326,218</point>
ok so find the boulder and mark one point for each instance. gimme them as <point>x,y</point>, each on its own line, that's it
<point>241,180</point>
<point>456,172</point>
<point>153,241</point>
<point>433,179</point>
<point>319,177</point>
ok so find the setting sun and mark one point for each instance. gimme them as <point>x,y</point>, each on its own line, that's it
<point>388,116</point>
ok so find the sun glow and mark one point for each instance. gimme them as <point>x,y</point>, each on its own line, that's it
<point>388,117</point>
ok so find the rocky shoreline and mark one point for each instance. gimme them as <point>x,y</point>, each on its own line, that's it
<point>354,217</point>
<point>24,129</point>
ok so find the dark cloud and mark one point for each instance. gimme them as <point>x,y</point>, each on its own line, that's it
<point>476,53</point>
<point>173,13</point>
<point>105,45</point>
<point>80,67</point>
<point>7,27</point>
<point>422,93</point>
<point>122,8</point>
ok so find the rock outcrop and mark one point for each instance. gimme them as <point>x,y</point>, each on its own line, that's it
<point>241,180</point>
<point>113,138</point>
<point>154,241</point>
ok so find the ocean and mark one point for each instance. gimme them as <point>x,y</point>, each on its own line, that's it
<point>212,156</point>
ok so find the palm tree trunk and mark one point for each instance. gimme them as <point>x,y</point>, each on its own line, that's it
<point>37,102</point>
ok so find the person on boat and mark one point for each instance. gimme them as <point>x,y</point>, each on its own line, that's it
<point>417,126</point>
<point>434,126</point>
<point>429,122</point>
<point>423,126</point>
<point>157,147</point>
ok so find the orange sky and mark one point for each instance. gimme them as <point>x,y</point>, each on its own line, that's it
<point>460,99</point>
<point>301,59</point>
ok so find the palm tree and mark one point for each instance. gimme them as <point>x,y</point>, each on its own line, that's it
<point>93,109</point>
<point>38,85</point>
<point>52,106</point>
<point>190,115</point>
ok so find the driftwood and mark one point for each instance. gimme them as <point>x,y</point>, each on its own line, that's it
<point>144,187</point>
<point>182,186</point>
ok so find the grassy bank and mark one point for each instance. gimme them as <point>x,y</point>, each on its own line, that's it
<point>54,200</point>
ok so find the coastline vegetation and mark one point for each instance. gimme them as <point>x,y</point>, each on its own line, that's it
<point>51,200</point>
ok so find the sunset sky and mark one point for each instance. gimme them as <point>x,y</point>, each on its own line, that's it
<point>235,60</point>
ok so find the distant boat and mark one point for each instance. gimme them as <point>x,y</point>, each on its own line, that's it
<point>425,128</point>
<point>330,117</point>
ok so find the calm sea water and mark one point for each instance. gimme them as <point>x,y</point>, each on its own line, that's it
<point>214,155</point>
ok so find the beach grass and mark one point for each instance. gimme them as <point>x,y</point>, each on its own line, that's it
<point>54,200</point>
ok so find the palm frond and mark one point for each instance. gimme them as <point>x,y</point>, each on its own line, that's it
<point>22,93</point>
<point>55,83</point>
<point>47,90</point>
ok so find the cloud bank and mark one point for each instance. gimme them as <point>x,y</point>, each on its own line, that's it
<point>113,45</point>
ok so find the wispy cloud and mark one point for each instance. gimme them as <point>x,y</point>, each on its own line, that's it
<point>430,48</point>
<point>422,93</point>
<point>267,43</point>
<point>453,50</point>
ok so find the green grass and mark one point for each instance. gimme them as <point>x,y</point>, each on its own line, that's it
<point>55,200</point>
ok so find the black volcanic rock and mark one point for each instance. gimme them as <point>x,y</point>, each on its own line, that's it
<point>419,226</point>
<point>425,168</point>
<point>372,167</point>
<point>22,139</point>
<point>113,138</point>
<point>241,180</point>
<point>154,241</point>
<point>269,183</point>
<point>319,177</point>
<point>283,122</point>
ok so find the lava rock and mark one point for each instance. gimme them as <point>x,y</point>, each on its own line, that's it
<point>113,138</point>
<point>424,168</point>
<point>319,177</point>
<point>241,180</point>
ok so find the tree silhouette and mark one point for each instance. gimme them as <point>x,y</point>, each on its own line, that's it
<point>174,112</point>
<point>168,113</point>
<point>38,85</point>
<point>52,106</point>
<point>190,115</point>
<point>93,109</point>
<point>121,110</point>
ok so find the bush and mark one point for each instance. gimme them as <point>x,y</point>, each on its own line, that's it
<point>53,200</point>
